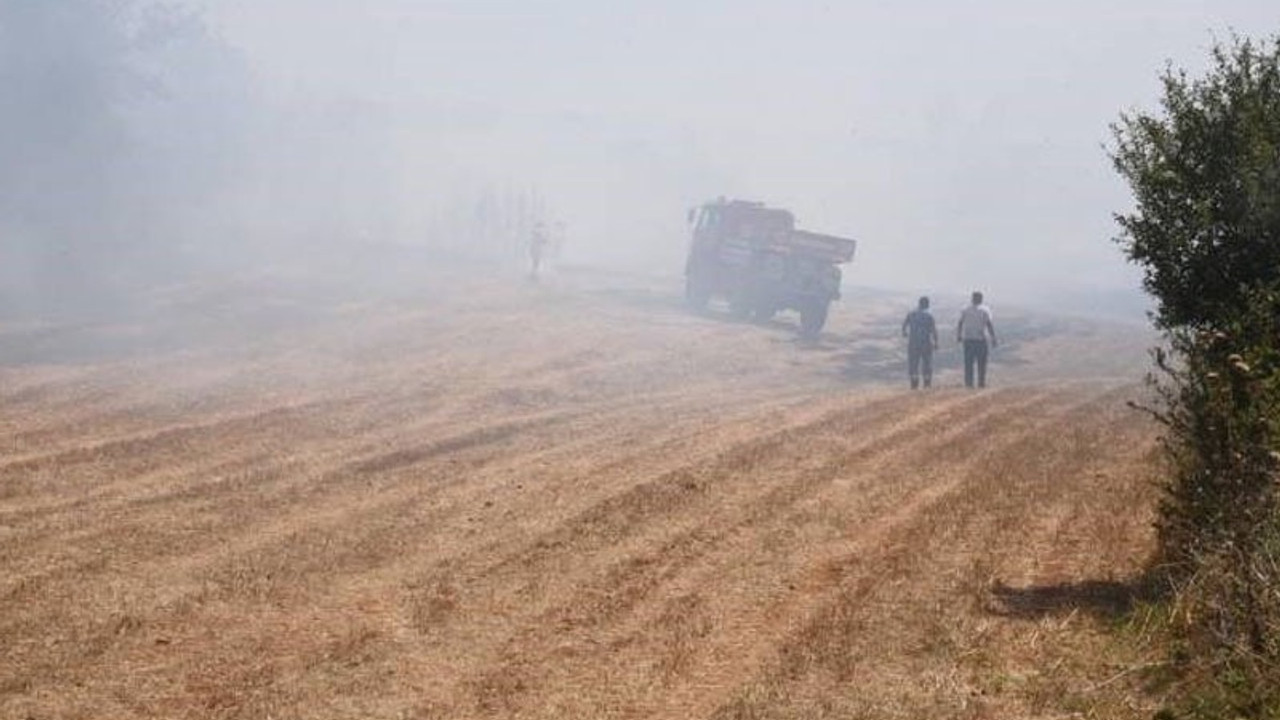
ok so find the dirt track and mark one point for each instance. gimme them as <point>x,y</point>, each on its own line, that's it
<point>569,500</point>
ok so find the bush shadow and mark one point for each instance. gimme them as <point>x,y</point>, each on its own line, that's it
<point>1107,599</point>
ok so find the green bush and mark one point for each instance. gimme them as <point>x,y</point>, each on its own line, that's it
<point>1219,520</point>
<point>1206,231</point>
<point>1218,525</point>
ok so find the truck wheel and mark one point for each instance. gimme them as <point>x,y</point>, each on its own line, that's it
<point>764,312</point>
<point>696,294</point>
<point>812,317</point>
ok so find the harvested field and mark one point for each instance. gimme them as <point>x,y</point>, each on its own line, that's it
<point>561,500</point>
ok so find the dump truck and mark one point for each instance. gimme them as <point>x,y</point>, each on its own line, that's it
<point>754,257</point>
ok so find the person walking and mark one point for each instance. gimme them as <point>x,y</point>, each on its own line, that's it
<point>921,333</point>
<point>537,248</point>
<point>973,330</point>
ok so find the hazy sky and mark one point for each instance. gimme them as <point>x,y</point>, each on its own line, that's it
<point>960,143</point>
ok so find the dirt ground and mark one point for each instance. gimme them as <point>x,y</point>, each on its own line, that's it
<point>494,498</point>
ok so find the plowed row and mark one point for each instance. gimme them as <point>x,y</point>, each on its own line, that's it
<point>553,502</point>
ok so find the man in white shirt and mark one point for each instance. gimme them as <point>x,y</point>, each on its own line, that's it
<point>972,330</point>
<point>537,247</point>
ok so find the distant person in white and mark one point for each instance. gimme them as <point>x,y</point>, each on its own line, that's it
<point>537,248</point>
<point>972,330</point>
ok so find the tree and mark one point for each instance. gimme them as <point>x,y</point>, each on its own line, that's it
<point>1206,180</point>
<point>1206,231</point>
<point>119,121</point>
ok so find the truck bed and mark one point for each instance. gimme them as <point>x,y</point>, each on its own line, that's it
<point>829,247</point>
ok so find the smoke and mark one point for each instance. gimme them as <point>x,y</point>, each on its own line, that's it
<point>121,124</point>
<point>144,143</point>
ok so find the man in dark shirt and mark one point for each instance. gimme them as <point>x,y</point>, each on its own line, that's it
<point>922,339</point>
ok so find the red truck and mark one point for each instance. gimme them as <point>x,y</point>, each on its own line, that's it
<point>754,257</point>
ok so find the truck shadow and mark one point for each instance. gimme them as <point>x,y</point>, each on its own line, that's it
<point>873,351</point>
<point>780,324</point>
